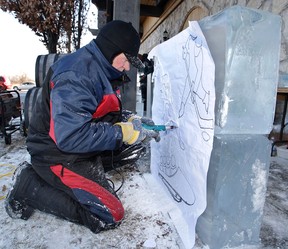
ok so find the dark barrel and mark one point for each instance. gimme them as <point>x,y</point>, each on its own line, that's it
<point>30,101</point>
<point>43,63</point>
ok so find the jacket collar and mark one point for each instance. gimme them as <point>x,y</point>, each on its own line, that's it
<point>111,72</point>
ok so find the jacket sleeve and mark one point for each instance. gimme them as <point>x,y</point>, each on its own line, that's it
<point>72,104</point>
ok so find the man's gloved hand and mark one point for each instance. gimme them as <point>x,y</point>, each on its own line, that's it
<point>144,120</point>
<point>133,132</point>
<point>126,115</point>
<point>149,122</point>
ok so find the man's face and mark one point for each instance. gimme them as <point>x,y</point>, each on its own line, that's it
<point>121,63</point>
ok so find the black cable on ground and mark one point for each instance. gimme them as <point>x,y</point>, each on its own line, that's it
<point>117,171</point>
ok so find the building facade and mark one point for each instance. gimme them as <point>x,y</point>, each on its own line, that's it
<point>177,13</point>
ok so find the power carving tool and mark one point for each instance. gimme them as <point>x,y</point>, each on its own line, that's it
<point>159,127</point>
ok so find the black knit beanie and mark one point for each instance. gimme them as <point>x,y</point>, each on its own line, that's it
<point>118,37</point>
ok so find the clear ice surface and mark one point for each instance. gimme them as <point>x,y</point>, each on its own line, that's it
<point>236,188</point>
<point>245,46</point>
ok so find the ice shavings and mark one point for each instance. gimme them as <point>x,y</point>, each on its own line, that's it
<point>258,183</point>
<point>149,243</point>
<point>223,111</point>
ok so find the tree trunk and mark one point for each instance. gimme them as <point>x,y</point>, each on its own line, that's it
<point>52,42</point>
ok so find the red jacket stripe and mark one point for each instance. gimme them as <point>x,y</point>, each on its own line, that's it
<point>52,131</point>
<point>109,103</point>
<point>73,180</point>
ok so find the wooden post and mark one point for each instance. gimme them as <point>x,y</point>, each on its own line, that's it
<point>128,11</point>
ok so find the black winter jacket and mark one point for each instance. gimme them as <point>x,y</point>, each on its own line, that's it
<point>74,115</point>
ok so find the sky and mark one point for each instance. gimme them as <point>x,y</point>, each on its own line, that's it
<point>19,46</point>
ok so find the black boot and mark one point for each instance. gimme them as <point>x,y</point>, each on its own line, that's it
<point>30,192</point>
<point>16,206</point>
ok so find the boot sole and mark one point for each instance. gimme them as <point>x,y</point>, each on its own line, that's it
<point>14,208</point>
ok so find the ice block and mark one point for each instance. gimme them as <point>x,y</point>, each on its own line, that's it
<point>236,188</point>
<point>245,46</point>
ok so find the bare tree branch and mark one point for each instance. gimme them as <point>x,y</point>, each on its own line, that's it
<point>59,24</point>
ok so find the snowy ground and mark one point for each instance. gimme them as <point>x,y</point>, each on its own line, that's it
<point>145,223</point>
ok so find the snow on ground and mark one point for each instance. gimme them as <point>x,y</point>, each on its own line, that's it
<point>146,223</point>
<point>274,231</point>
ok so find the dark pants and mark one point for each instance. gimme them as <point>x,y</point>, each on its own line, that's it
<point>78,192</point>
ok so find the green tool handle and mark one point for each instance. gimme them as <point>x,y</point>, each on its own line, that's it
<point>154,127</point>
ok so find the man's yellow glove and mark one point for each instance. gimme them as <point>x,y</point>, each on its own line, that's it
<point>130,135</point>
<point>133,132</point>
